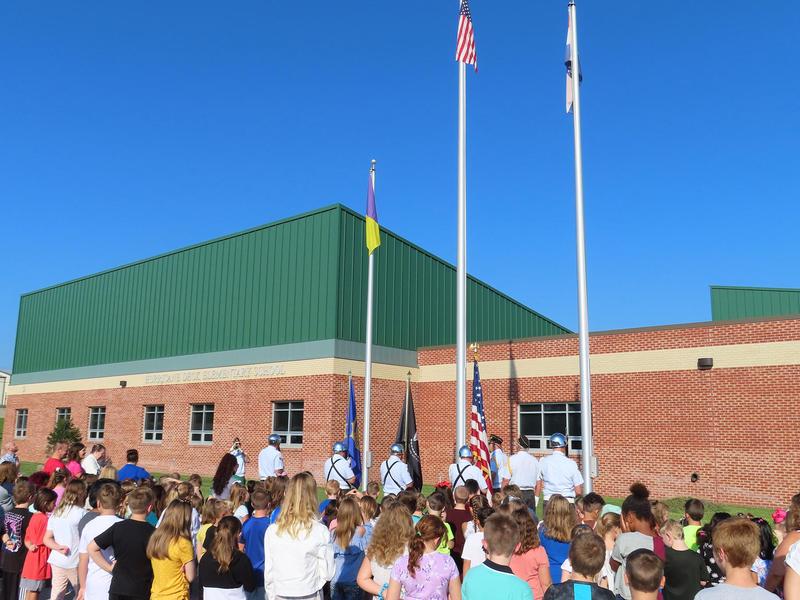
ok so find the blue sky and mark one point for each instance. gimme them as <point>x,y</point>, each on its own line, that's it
<point>129,129</point>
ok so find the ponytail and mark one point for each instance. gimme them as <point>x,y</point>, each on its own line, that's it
<point>225,544</point>
<point>429,528</point>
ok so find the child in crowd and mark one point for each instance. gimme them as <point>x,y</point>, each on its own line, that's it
<point>62,538</point>
<point>693,512</point>
<point>239,498</point>
<point>131,573</point>
<point>253,531</point>
<point>373,489</point>
<point>494,578</point>
<point>369,513</point>
<point>763,561</point>
<point>331,494</point>
<point>608,528</point>
<point>419,511</point>
<point>592,505</point>
<point>457,517</point>
<point>566,566</point>
<point>58,483</point>
<point>644,574</point>
<point>779,520</point>
<point>556,533</point>
<point>473,553</point>
<point>36,570</point>
<point>660,514</point>
<point>225,571</point>
<point>94,581</point>
<point>425,573</point>
<point>210,514</point>
<point>529,560</point>
<point>349,543</point>
<point>15,525</point>
<point>171,555</point>
<point>586,555</point>
<point>736,545</point>
<point>391,537</point>
<point>278,491</point>
<point>438,508</point>
<point>685,572</point>
<point>705,538</point>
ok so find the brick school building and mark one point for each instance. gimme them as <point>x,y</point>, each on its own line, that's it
<point>260,332</point>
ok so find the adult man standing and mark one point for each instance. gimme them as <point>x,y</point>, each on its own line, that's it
<point>523,471</point>
<point>557,473</point>
<point>56,460</point>
<point>337,468</point>
<point>270,459</point>
<point>93,462</point>
<point>394,472</point>
<point>11,449</point>
<point>497,460</point>
<point>463,470</point>
<point>241,459</point>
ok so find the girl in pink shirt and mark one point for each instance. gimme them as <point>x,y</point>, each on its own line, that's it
<point>529,562</point>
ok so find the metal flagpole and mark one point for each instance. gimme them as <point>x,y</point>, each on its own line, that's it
<point>368,360</point>
<point>461,272</point>
<point>583,302</point>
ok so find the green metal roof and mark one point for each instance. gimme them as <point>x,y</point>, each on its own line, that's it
<point>729,303</point>
<point>295,280</point>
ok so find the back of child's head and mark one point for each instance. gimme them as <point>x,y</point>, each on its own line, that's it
<point>767,538</point>
<point>89,480</point>
<point>331,512</point>
<point>460,495</point>
<point>472,487</point>
<point>660,512</point>
<point>408,498</point>
<point>238,495</point>
<point>109,496</point>
<point>369,507</point>
<point>593,503</point>
<point>74,495</point>
<point>497,497</point>
<point>644,571</point>
<point>422,503</point>
<point>208,514</point>
<point>694,509</point>
<point>579,530</point>
<point>512,490</point>
<point>608,522</point>
<point>638,503</point>
<point>792,521</point>
<point>252,484</point>
<point>740,540</point>
<point>45,500</point>
<point>140,500</point>
<point>185,490</point>
<point>436,502</point>
<point>196,480</point>
<point>332,488</point>
<point>447,493</point>
<point>587,553</point>
<point>528,532</point>
<point>373,489</point>
<point>259,500</point>
<point>132,455</point>
<point>57,477</point>
<point>673,529</point>
<point>39,479</point>
<point>127,486</point>
<point>23,492</point>
<point>501,534</point>
<point>429,528</point>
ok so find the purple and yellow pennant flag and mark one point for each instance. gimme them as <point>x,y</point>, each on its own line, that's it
<point>373,229</point>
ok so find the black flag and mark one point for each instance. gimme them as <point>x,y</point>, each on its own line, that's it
<point>407,435</point>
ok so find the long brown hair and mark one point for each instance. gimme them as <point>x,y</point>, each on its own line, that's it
<point>226,542</point>
<point>348,519</point>
<point>429,528</point>
<point>176,524</point>
<point>392,534</point>
<point>8,472</point>
<point>528,533</point>
<point>793,515</point>
<point>476,503</point>
<point>74,495</point>
<point>278,491</point>
<point>559,519</point>
<point>225,470</point>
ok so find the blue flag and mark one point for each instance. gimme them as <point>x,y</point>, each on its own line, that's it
<point>351,432</point>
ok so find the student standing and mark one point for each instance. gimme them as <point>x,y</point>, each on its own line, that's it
<point>390,539</point>
<point>685,572</point>
<point>94,581</point>
<point>349,542</point>
<point>171,554</point>
<point>36,570</point>
<point>529,560</point>
<point>693,512</point>
<point>253,532</point>
<point>131,573</point>
<point>15,525</point>
<point>225,571</point>
<point>587,555</point>
<point>556,532</point>
<point>132,470</point>
<point>644,575</point>
<point>63,539</point>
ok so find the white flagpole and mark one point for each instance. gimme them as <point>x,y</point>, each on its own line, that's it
<point>368,360</point>
<point>461,271</point>
<point>583,301</point>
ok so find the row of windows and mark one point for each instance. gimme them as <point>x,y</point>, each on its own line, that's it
<point>287,420</point>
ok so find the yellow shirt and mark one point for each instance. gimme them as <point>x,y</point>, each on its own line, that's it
<point>201,539</point>
<point>169,582</point>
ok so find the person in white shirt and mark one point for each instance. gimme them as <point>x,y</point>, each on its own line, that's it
<point>298,559</point>
<point>522,470</point>
<point>93,462</point>
<point>497,459</point>
<point>62,538</point>
<point>241,459</point>
<point>394,472</point>
<point>270,459</point>
<point>462,470</point>
<point>791,583</point>
<point>94,581</point>
<point>557,473</point>
<point>337,468</point>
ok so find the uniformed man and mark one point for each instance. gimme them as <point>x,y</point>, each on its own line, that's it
<point>557,473</point>
<point>497,459</point>
<point>463,470</point>
<point>394,472</point>
<point>337,468</point>
<point>270,459</point>
<point>523,471</point>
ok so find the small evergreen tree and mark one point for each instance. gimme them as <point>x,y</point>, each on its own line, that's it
<point>64,431</point>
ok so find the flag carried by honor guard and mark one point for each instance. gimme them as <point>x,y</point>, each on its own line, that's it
<point>568,63</point>
<point>350,433</point>
<point>407,435</point>
<point>478,440</point>
<point>465,44</point>
<point>373,229</point>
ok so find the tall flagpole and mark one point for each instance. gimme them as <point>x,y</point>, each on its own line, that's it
<point>368,360</point>
<point>583,301</point>
<point>461,272</point>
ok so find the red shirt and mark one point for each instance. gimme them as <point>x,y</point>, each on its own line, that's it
<point>457,517</point>
<point>52,464</point>
<point>36,566</point>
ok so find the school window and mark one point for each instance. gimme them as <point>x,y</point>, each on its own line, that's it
<point>202,424</point>
<point>153,423</point>
<point>63,414</point>
<point>538,422</point>
<point>97,423</point>
<point>21,423</point>
<point>287,422</point>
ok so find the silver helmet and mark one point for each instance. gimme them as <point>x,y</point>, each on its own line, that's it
<point>464,452</point>
<point>339,447</point>
<point>396,449</point>
<point>274,439</point>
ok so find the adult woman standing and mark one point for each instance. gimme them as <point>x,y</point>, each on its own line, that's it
<point>298,558</point>
<point>95,460</point>
<point>390,538</point>
<point>224,477</point>
<point>76,454</point>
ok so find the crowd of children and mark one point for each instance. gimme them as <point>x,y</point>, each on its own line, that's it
<point>98,537</point>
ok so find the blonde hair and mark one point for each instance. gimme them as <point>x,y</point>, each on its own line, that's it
<point>299,508</point>
<point>559,519</point>
<point>673,528</point>
<point>239,496</point>
<point>348,519</point>
<point>226,542</point>
<point>392,534</point>
<point>606,523</point>
<point>74,495</point>
<point>175,524</point>
<point>209,514</point>
<point>108,472</point>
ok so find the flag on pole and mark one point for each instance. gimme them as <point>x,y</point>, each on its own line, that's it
<point>350,433</point>
<point>373,229</point>
<point>407,435</point>
<point>465,44</point>
<point>478,440</point>
<point>568,64</point>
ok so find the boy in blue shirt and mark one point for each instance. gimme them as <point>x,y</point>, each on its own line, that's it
<point>494,579</point>
<point>253,532</point>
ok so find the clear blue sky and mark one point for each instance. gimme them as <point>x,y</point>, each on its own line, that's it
<point>129,129</point>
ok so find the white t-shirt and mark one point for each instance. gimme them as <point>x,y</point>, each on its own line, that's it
<point>397,479</point>
<point>90,465</point>
<point>460,472</point>
<point>522,470</point>
<point>560,475</point>
<point>337,468</point>
<point>473,549</point>
<point>65,532</point>
<point>226,491</point>
<point>726,591</point>
<point>270,461</point>
<point>97,581</point>
<point>793,558</point>
<point>238,453</point>
<point>241,513</point>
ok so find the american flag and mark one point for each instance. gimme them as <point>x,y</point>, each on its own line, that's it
<point>568,64</point>
<point>478,440</point>
<point>465,45</point>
